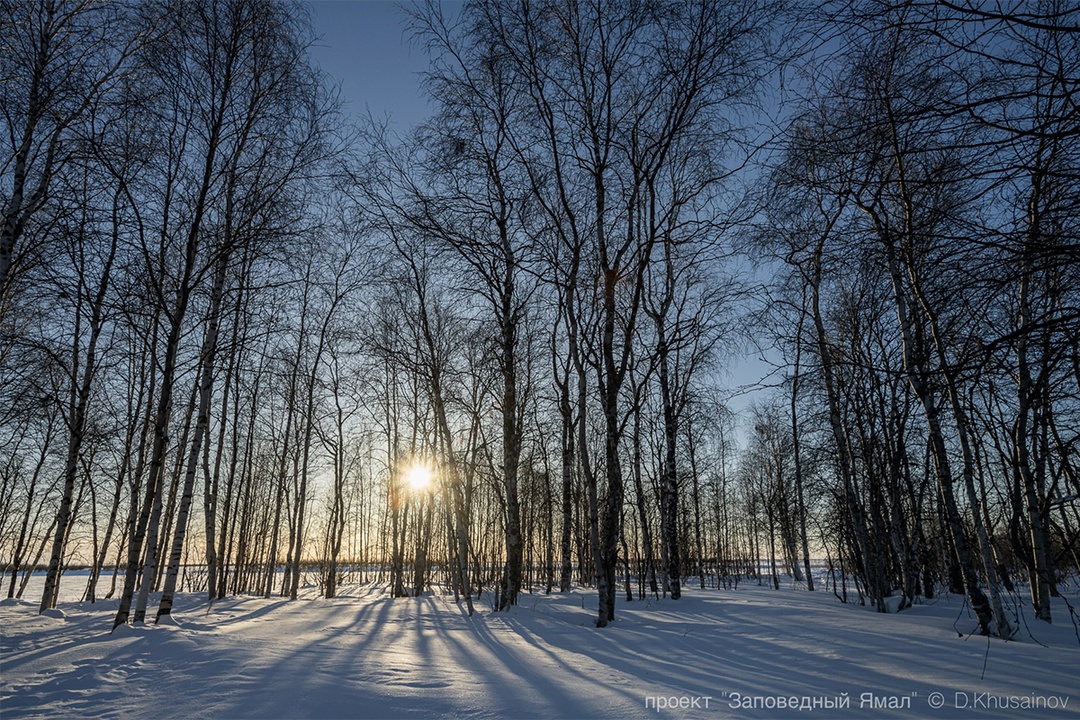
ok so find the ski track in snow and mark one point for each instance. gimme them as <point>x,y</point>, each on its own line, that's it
<point>365,655</point>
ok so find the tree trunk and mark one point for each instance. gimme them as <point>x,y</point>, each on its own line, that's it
<point>206,387</point>
<point>80,401</point>
<point>643,518</point>
<point>567,443</point>
<point>511,442</point>
<point>669,482</point>
<point>938,449</point>
<point>851,500</point>
<point>1040,583</point>
<point>796,450</point>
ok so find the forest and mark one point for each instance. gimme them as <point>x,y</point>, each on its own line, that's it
<point>251,342</point>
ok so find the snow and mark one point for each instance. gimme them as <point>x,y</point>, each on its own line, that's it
<point>364,655</point>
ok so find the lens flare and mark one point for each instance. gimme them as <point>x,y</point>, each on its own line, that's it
<point>418,478</point>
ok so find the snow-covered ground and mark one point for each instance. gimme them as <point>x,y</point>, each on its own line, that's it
<point>754,653</point>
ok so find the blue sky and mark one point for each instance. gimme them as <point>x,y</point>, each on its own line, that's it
<point>363,44</point>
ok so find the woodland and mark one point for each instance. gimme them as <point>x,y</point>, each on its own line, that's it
<point>254,345</point>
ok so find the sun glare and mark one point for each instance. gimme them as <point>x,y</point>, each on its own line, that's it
<point>418,478</point>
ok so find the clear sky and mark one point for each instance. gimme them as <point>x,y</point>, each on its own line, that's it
<point>363,44</point>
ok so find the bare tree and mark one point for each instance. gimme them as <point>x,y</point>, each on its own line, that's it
<point>217,110</point>
<point>596,151</point>
<point>58,59</point>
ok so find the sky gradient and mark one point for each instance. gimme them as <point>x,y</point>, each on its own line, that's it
<point>364,45</point>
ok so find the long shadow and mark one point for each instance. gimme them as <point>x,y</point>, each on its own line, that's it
<point>524,684</point>
<point>318,669</point>
<point>364,655</point>
<point>761,650</point>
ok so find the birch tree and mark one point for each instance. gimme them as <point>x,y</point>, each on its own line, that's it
<point>198,67</point>
<point>615,95</point>
<point>58,60</point>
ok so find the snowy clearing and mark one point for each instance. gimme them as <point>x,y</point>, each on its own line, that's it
<point>741,653</point>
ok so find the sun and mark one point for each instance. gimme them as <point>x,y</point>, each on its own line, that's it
<point>419,478</point>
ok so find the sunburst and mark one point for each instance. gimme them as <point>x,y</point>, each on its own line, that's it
<point>418,478</point>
